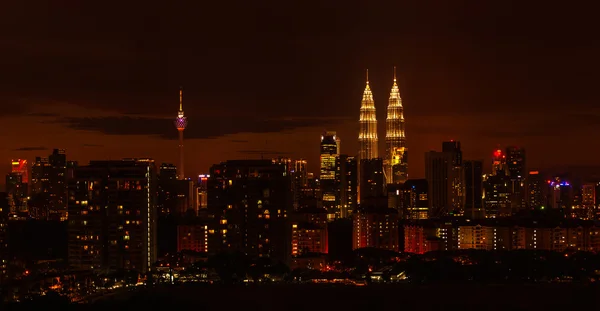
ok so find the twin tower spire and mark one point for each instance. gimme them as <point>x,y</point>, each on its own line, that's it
<point>395,161</point>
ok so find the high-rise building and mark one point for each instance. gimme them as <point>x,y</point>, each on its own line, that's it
<point>299,181</point>
<point>347,183</point>
<point>375,227</point>
<point>367,136</point>
<point>372,181</point>
<point>396,156</point>
<point>329,153</point>
<point>474,189</point>
<point>17,193</point>
<point>17,186</point>
<point>309,232</point>
<point>168,171</point>
<point>414,196</point>
<point>201,192</point>
<point>248,202</point>
<point>20,167</point>
<point>439,174</point>
<point>560,194</point>
<point>49,186</point>
<point>499,162</point>
<point>588,199</point>
<point>515,162</point>
<point>497,198</point>
<point>4,255</point>
<point>181,123</point>
<point>112,215</point>
<point>457,179</point>
<point>535,190</point>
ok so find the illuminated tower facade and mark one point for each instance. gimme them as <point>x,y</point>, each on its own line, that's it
<point>367,136</point>
<point>395,163</point>
<point>181,124</point>
<point>329,153</point>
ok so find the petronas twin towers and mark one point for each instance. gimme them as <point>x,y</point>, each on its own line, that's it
<point>395,162</point>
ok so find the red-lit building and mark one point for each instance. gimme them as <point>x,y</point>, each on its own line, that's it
<point>192,238</point>
<point>376,228</point>
<point>20,166</point>
<point>499,162</point>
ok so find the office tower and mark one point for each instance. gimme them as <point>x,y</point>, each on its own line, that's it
<point>499,162</point>
<point>329,152</point>
<point>396,157</point>
<point>375,227</point>
<point>367,136</point>
<point>168,172</point>
<point>415,199</point>
<point>347,183</point>
<point>560,194</point>
<point>17,193</point>
<point>112,216</point>
<point>535,190</point>
<point>299,181</point>
<point>497,198</point>
<point>181,123</point>
<point>310,195</point>
<point>248,202</point>
<point>515,162</point>
<point>457,179</point>
<point>4,255</point>
<point>372,181</point>
<point>202,192</point>
<point>20,167</point>
<point>58,184</point>
<point>588,198</point>
<point>49,186</point>
<point>309,232</point>
<point>40,176</point>
<point>439,174</point>
<point>174,196</point>
<point>474,189</point>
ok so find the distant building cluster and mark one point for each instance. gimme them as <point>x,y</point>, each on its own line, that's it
<point>125,214</point>
<point>501,234</point>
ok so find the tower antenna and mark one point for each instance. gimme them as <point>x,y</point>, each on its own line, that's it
<point>367,75</point>
<point>394,73</point>
<point>181,98</point>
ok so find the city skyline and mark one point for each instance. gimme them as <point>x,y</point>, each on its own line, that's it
<point>111,96</point>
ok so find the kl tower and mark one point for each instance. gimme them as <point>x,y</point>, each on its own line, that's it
<point>180,124</point>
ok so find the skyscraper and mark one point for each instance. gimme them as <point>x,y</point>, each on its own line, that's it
<point>499,162</point>
<point>439,172</point>
<point>181,124</point>
<point>367,136</point>
<point>536,190</point>
<point>248,202</point>
<point>4,255</point>
<point>49,186</point>
<point>396,161</point>
<point>457,195</point>
<point>347,181</point>
<point>515,161</point>
<point>474,189</point>
<point>112,215</point>
<point>329,153</point>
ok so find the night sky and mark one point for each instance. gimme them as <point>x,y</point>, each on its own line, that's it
<point>268,77</point>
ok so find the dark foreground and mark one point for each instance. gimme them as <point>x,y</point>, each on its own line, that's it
<point>375,297</point>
